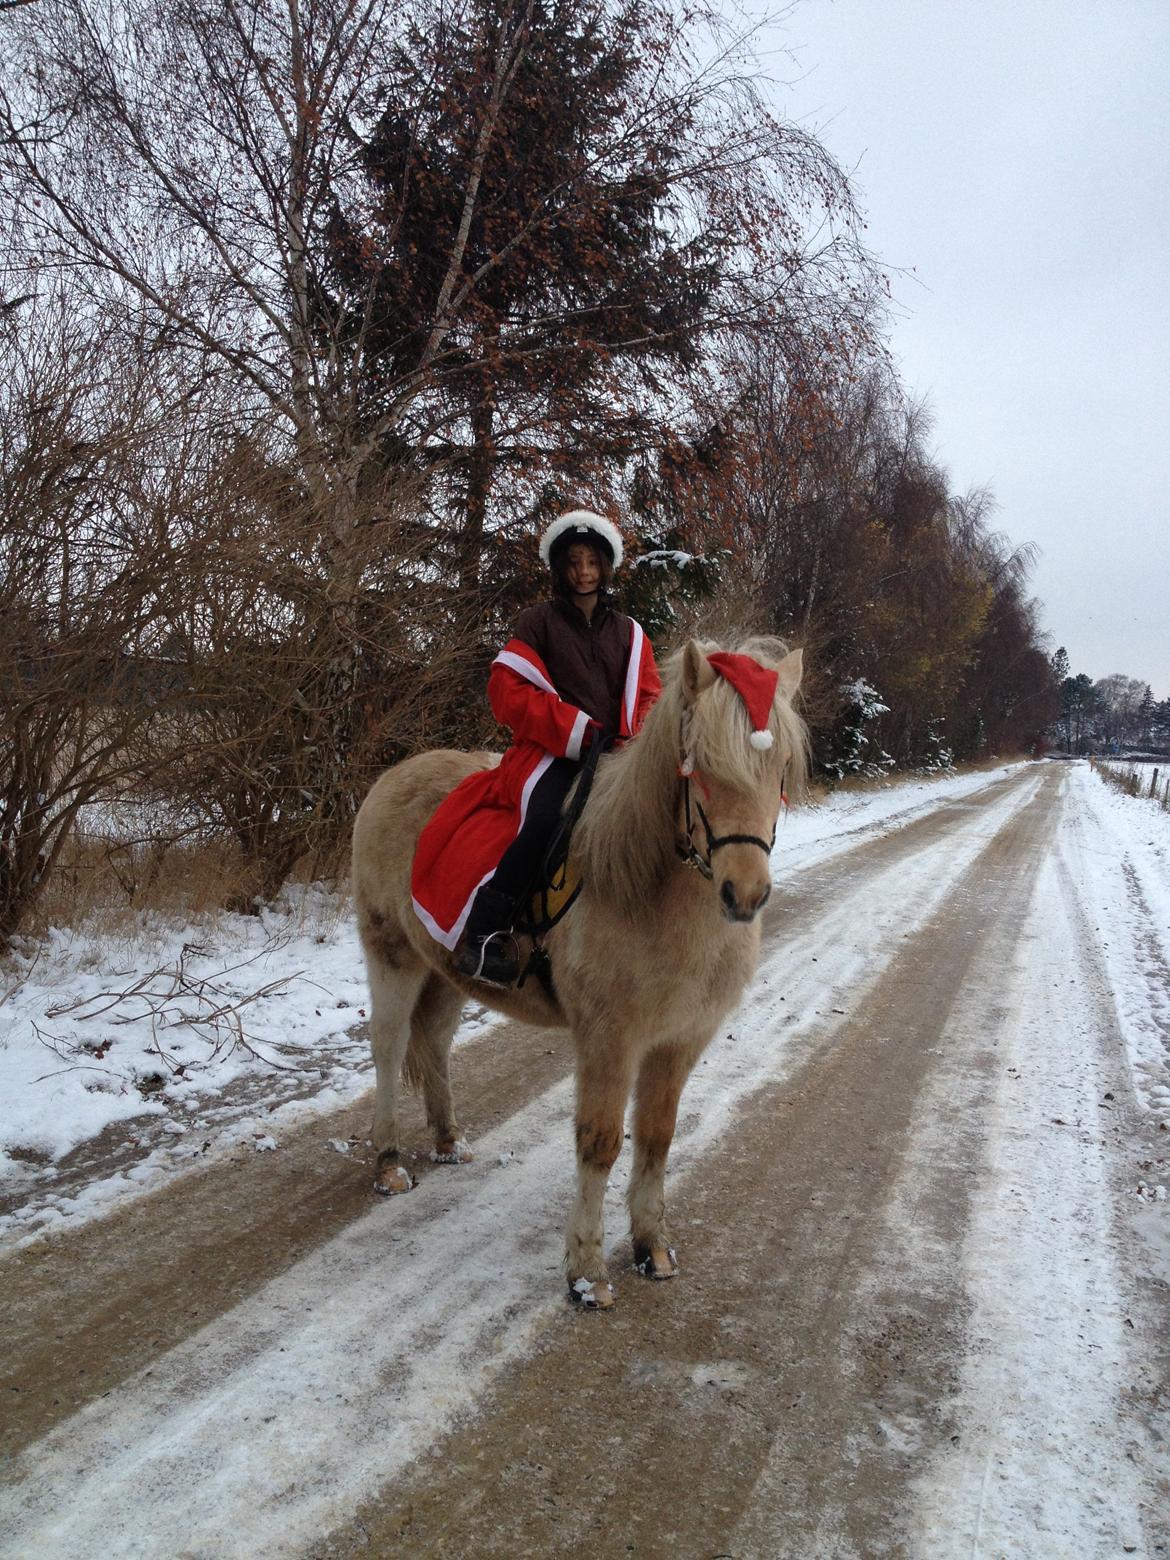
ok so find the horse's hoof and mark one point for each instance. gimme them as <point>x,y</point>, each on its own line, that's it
<point>393,1179</point>
<point>451,1151</point>
<point>656,1261</point>
<point>592,1294</point>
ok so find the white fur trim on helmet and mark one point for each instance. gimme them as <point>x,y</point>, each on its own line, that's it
<point>584,521</point>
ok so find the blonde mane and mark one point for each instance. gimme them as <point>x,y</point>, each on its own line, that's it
<point>625,840</point>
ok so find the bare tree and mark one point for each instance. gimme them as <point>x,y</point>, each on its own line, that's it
<point>193,160</point>
<point>1118,704</point>
<point>251,739</point>
<point>85,578</point>
<point>199,174</point>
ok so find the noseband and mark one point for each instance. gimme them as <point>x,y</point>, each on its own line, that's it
<point>691,857</point>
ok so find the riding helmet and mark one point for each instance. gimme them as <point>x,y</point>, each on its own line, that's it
<point>582,525</point>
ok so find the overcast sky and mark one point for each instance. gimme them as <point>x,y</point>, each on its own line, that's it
<point>1015,157</point>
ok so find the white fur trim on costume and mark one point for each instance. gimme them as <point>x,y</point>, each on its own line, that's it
<point>633,674</point>
<point>577,735</point>
<point>761,741</point>
<point>583,520</point>
<point>448,939</point>
<point>517,663</point>
<point>526,793</point>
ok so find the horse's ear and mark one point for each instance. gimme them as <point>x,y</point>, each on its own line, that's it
<point>789,672</point>
<point>697,671</point>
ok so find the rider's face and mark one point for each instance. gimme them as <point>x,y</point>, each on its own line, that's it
<point>583,569</point>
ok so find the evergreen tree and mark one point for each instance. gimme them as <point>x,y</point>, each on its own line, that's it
<point>624,215</point>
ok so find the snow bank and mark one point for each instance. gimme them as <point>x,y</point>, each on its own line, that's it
<point>1118,849</point>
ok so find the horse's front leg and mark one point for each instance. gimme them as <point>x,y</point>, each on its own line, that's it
<point>603,1086</point>
<point>661,1077</point>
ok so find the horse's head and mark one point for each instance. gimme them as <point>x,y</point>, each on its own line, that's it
<point>733,787</point>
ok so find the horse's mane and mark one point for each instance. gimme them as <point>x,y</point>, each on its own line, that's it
<point>625,840</point>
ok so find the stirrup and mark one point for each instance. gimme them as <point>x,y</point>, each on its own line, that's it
<point>494,978</point>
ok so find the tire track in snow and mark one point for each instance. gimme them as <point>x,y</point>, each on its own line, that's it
<point>269,1425</point>
<point>1055,1457</point>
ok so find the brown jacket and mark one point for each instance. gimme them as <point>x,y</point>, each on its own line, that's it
<point>585,659</point>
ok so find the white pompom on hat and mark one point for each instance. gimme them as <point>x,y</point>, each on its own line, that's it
<point>585,523</point>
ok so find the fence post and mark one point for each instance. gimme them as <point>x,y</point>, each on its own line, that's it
<point>1154,785</point>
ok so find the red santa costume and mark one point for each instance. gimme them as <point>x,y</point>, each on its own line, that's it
<point>556,683</point>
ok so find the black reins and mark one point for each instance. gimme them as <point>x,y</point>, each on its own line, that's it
<point>534,922</point>
<point>693,857</point>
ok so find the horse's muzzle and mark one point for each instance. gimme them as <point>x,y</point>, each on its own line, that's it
<point>734,909</point>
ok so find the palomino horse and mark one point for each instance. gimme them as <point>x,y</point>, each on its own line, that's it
<point>644,966</point>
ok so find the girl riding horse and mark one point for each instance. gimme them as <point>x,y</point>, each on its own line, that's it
<point>575,672</point>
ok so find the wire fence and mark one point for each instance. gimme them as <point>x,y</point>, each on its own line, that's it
<point>1140,780</point>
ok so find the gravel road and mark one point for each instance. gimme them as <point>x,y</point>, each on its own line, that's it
<point>912,1316</point>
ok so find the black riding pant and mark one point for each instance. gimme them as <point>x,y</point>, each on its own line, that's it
<point>520,863</point>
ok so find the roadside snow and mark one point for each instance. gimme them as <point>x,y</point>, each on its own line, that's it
<point>1118,849</point>
<point>1049,1457</point>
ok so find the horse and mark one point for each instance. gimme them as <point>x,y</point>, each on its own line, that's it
<point>645,965</point>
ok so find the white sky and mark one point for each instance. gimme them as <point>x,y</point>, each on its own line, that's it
<point>1015,157</point>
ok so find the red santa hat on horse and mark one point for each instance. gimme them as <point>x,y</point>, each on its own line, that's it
<point>756,686</point>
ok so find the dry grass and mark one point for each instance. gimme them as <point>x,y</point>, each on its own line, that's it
<point>109,886</point>
<point>1149,781</point>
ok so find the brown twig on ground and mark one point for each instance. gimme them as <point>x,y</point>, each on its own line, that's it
<point>215,1018</point>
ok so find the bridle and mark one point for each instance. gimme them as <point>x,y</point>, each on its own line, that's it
<point>692,857</point>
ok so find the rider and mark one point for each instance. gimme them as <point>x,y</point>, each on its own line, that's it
<point>575,672</point>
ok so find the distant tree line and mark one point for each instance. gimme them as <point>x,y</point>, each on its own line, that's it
<point>311,316</point>
<point>1116,714</point>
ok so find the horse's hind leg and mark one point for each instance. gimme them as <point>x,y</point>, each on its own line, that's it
<point>660,1082</point>
<point>432,1025</point>
<point>603,1086</point>
<point>394,990</point>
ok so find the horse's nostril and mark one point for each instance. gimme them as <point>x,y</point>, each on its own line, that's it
<point>727,894</point>
<point>764,897</point>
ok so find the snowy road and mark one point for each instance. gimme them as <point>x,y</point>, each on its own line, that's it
<point>923,1307</point>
